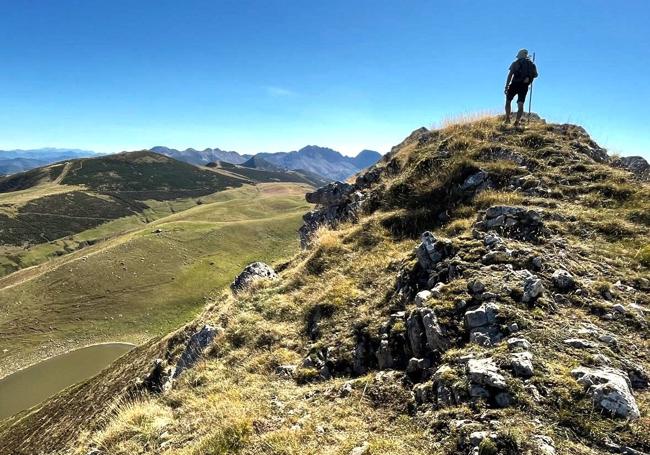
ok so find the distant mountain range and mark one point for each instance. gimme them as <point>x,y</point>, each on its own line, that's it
<point>315,163</point>
<point>322,161</point>
<point>13,161</point>
<point>202,157</point>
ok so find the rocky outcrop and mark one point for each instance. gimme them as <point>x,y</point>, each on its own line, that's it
<point>194,348</point>
<point>163,373</point>
<point>251,273</point>
<point>336,203</point>
<point>481,324</point>
<point>635,164</point>
<point>610,390</point>
<point>563,280</point>
<point>516,222</point>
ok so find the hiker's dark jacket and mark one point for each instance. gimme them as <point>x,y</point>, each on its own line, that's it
<point>523,68</point>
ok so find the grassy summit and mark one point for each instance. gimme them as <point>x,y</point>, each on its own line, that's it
<point>345,353</point>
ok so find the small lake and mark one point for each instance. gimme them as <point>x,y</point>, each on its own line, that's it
<point>32,385</point>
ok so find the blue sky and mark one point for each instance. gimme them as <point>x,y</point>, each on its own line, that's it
<point>273,75</point>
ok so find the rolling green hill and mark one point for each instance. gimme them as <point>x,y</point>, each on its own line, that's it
<point>144,279</point>
<point>44,211</point>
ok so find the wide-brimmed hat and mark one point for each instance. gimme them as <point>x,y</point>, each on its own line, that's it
<point>523,53</point>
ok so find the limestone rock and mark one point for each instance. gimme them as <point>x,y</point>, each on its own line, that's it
<point>194,348</point>
<point>515,222</point>
<point>610,390</point>
<point>251,273</point>
<point>515,343</point>
<point>563,280</point>
<point>522,364</point>
<point>533,289</point>
<point>483,315</point>
<point>422,297</point>
<point>484,372</point>
<point>578,343</point>
<point>332,193</point>
<point>431,250</point>
<point>544,444</point>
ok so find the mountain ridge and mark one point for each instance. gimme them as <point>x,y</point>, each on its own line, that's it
<point>482,289</point>
<point>323,161</point>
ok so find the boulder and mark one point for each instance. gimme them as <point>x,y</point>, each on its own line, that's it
<point>533,289</point>
<point>476,182</point>
<point>610,390</point>
<point>485,314</point>
<point>563,280</point>
<point>194,348</point>
<point>484,372</point>
<point>336,202</point>
<point>251,273</point>
<point>475,287</point>
<point>431,251</point>
<point>522,364</point>
<point>482,324</point>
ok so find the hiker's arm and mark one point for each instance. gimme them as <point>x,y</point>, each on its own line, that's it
<point>508,80</point>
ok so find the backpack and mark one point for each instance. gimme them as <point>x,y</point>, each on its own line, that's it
<point>525,69</point>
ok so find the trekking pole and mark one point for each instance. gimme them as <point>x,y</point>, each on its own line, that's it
<point>530,100</point>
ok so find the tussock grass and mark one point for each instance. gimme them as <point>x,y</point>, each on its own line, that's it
<point>136,428</point>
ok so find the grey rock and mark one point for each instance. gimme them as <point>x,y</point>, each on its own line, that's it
<point>522,364</point>
<point>332,193</point>
<point>579,343</point>
<point>384,354</point>
<point>503,399</point>
<point>533,289</point>
<point>635,164</point>
<point>492,239</point>
<point>544,445</point>
<point>475,287</point>
<point>422,297</point>
<point>485,372</point>
<point>516,222</point>
<point>563,280</point>
<point>610,390</point>
<point>195,347</point>
<point>363,449</point>
<point>431,250</point>
<point>436,337</point>
<point>475,181</point>
<point>251,273</point>
<point>518,343</point>
<point>619,308</point>
<point>478,391</point>
<point>483,315</point>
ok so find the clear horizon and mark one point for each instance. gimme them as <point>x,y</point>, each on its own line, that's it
<point>274,76</point>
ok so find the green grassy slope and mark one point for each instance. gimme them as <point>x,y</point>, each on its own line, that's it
<point>142,283</point>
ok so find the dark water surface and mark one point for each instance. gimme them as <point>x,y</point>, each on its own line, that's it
<point>30,386</point>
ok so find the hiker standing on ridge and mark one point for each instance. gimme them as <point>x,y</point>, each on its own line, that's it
<point>521,75</point>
